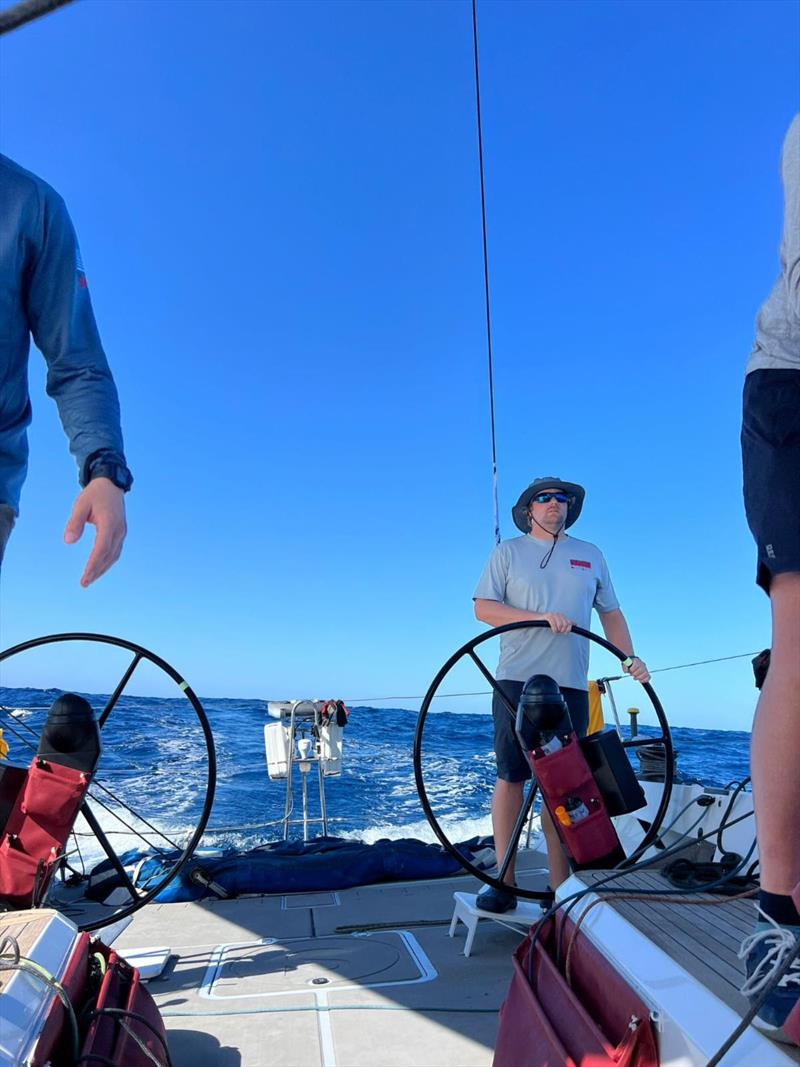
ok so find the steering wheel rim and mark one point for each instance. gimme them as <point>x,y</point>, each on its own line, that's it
<point>140,653</point>
<point>467,649</point>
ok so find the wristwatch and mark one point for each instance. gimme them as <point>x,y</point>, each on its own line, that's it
<point>111,466</point>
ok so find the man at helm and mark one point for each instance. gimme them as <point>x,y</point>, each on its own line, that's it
<point>547,575</point>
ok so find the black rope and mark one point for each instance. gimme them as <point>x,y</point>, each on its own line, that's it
<point>485,271</point>
<point>26,11</point>
<point>125,1013</point>
<point>739,788</point>
<point>569,902</point>
<point>12,960</point>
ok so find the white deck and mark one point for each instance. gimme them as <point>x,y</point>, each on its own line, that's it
<point>369,976</point>
<point>363,976</point>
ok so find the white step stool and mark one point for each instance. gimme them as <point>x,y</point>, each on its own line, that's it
<point>526,913</point>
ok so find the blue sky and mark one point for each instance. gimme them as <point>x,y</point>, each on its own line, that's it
<point>278,208</point>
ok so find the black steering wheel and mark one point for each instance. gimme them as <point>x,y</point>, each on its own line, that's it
<point>664,739</point>
<point>104,791</point>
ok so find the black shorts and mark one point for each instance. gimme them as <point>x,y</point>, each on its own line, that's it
<point>512,763</point>
<point>771,469</point>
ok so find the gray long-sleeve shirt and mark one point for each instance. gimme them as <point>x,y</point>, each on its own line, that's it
<point>777,343</point>
<point>43,292</point>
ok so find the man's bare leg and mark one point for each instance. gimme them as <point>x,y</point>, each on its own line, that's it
<point>776,796</point>
<point>775,752</point>
<point>557,862</point>
<point>506,804</point>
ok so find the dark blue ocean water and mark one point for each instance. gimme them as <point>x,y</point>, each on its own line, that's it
<point>154,760</point>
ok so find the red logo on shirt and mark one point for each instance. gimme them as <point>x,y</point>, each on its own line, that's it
<point>581,563</point>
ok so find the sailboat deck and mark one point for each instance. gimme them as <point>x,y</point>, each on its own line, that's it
<point>363,976</point>
<point>702,932</point>
<point>368,975</point>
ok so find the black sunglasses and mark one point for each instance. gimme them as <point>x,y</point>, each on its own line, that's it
<point>545,498</point>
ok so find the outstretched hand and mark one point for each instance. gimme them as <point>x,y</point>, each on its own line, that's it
<point>103,505</point>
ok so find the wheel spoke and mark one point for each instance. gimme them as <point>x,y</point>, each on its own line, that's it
<point>112,700</point>
<point>517,831</point>
<point>487,674</point>
<point>104,843</point>
<point>642,742</point>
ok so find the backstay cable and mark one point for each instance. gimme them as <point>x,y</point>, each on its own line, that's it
<point>26,11</point>
<point>486,274</point>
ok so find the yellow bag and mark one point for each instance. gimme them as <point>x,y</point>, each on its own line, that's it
<point>596,720</point>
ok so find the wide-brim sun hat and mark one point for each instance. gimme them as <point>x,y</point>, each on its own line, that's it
<point>520,510</point>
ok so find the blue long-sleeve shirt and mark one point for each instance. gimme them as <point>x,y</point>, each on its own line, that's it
<point>43,293</point>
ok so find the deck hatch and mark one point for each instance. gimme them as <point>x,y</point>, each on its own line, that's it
<point>274,967</point>
<point>310,900</point>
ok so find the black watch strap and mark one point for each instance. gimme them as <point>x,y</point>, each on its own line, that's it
<point>109,465</point>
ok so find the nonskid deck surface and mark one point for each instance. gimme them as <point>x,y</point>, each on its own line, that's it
<point>361,976</point>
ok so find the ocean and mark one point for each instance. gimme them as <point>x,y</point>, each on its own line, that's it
<point>155,762</point>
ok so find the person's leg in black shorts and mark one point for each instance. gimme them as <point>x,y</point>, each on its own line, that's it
<point>513,771</point>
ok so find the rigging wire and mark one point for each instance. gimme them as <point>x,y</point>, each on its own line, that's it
<point>485,273</point>
<point>26,11</point>
<point>353,701</point>
<point>681,666</point>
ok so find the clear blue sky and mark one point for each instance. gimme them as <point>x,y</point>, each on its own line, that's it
<point>278,208</point>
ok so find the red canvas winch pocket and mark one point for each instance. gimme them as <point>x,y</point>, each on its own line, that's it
<point>591,838</point>
<point>20,873</point>
<point>37,830</point>
<point>565,774</point>
<point>126,1028</point>
<point>53,794</point>
<point>594,1020</point>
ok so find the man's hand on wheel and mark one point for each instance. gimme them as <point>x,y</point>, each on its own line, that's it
<point>637,670</point>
